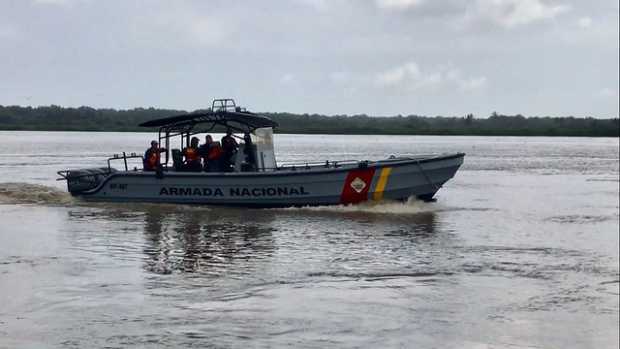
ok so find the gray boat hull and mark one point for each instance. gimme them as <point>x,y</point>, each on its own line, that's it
<point>393,179</point>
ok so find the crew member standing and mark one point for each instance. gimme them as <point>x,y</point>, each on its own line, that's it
<point>211,153</point>
<point>250,155</point>
<point>152,157</point>
<point>192,156</point>
<point>229,146</point>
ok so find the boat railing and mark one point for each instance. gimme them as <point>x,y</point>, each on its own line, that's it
<point>340,163</point>
<point>124,157</point>
<point>85,174</point>
<point>412,156</point>
<point>292,166</point>
<point>288,166</point>
<point>224,104</point>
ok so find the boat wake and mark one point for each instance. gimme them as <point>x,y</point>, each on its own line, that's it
<point>28,193</point>
<point>410,207</point>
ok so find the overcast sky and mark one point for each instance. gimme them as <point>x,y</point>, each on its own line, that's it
<point>379,57</point>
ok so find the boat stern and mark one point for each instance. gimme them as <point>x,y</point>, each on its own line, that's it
<point>81,180</point>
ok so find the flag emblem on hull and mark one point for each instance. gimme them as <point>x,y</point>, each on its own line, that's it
<point>358,184</point>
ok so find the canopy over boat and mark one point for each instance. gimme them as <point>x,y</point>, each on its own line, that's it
<point>223,112</point>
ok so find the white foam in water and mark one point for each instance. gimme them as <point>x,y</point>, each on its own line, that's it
<point>27,193</point>
<point>411,206</point>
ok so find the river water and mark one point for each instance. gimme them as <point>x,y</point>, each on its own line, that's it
<point>520,250</point>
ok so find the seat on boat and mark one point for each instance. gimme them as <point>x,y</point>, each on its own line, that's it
<point>246,158</point>
<point>177,160</point>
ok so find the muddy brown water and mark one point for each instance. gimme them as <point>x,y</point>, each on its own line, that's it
<point>520,250</point>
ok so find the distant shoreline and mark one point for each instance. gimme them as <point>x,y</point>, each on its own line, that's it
<point>86,119</point>
<point>332,134</point>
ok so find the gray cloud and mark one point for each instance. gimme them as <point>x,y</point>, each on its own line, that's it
<point>341,56</point>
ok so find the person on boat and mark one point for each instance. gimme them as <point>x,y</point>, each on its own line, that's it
<point>229,146</point>
<point>248,151</point>
<point>211,153</point>
<point>152,157</point>
<point>203,150</point>
<point>192,156</point>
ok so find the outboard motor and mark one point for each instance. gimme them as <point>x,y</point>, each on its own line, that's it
<point>82,180</point>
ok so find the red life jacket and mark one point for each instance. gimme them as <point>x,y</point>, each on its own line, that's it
<point>215,151</point>
<point>153,159</point>
<point>191,154</point>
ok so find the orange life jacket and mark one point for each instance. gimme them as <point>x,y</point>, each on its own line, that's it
<point>191,154</point>
<point>215,151</point>
<point>153,159</point>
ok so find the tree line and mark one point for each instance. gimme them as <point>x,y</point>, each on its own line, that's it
<point>56,118</point>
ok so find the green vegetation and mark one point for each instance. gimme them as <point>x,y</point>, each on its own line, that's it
<point>55,118</point>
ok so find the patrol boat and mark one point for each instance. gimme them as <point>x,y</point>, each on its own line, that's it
<point>263,183</point>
